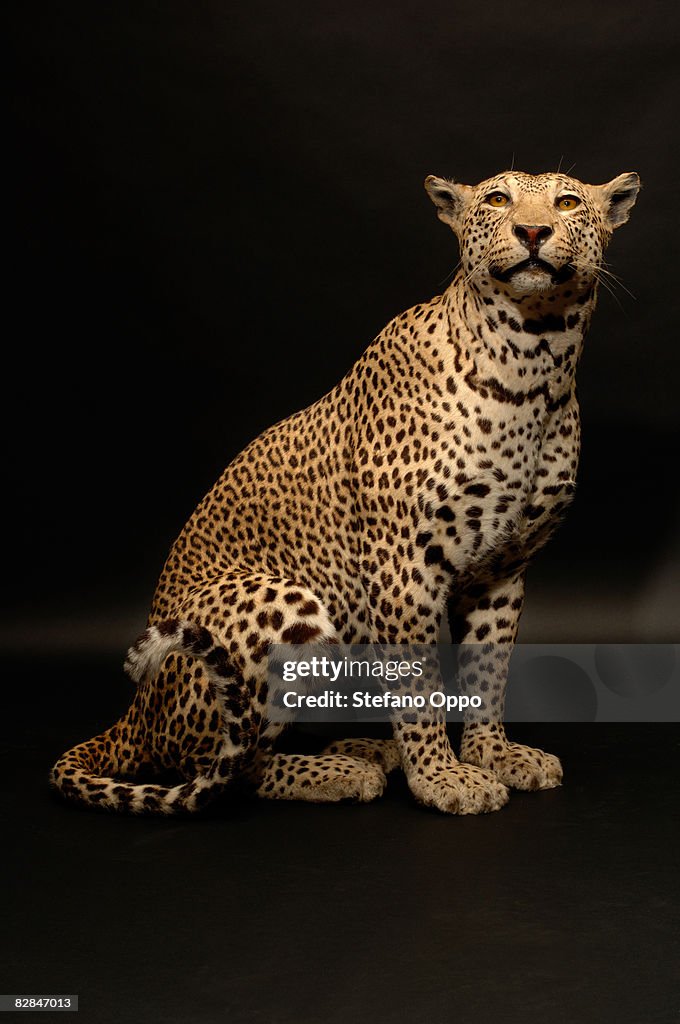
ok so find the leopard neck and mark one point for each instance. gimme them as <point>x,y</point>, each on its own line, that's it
<point>519,346</point>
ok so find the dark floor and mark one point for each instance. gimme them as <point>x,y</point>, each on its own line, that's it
<point>562,907</point>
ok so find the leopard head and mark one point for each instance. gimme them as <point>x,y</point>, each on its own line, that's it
<point>533,233</point>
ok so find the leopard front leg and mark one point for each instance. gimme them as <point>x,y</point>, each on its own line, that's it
<point>486,623</point>
<point>435,776</point>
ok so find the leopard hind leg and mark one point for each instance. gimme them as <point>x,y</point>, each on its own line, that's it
<point>384,753</point>
<point>326,778</point>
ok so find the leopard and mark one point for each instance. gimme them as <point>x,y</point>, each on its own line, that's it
<point>402,506</point>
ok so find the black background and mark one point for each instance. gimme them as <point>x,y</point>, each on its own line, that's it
<point>213,209</point>
<point>218,206</point>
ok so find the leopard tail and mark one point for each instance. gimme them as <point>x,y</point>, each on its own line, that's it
<point>87,773</point>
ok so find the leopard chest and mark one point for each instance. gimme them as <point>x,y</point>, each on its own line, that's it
<point>506,478</point>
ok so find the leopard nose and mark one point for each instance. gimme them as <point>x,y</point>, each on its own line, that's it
<point>532,235</point>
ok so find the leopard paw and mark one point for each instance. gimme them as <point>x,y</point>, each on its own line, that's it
<point>459,789</point>
<point>518,766</point>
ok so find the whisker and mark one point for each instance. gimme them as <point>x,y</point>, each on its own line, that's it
<point>600,272</point>
<point>611,291</point>
<point>617,281</point>
<point>450,275</point>
<point>604,267</point>
<point>596,272</point>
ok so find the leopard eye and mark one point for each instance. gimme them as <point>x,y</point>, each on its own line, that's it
<point>497,199</point>
<point>567,202</point>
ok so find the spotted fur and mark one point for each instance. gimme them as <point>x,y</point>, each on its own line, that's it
<point>416,491</point>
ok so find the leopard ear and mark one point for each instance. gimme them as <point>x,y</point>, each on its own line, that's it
<point>617,198</point>
<point>450,198</point>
